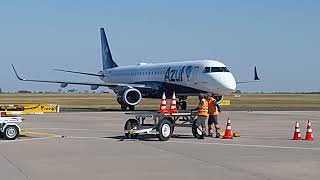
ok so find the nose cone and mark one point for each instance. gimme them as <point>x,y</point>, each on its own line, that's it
<point>225,82</point>
<point>229,83</point>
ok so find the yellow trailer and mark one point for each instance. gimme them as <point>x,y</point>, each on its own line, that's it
<point>29,108</point>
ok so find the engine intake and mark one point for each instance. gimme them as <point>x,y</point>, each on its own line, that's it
<point>130,96</point>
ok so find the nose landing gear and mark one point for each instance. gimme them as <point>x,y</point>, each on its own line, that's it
<point>182,104</point>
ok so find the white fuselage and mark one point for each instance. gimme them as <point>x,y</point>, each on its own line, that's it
<point>202,75</point>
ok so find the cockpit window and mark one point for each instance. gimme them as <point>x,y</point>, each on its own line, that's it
<point>206,69</point>
<point>215,69</point>
<point>219,69</point>
<point>225,69</point>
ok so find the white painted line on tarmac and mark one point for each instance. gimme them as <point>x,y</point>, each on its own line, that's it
<point>83,137</point>
<point>246,145</point>
<point>209,143</point>
<point>257,137</point>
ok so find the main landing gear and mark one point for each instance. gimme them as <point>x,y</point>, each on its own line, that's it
<point>124,107</point>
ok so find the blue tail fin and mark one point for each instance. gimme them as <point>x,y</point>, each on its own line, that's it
<point>256,77</point>
<point>107,60</point>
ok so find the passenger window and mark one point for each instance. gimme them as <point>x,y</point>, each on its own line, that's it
<point>206,69</point>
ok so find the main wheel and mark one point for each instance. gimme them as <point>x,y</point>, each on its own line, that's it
<point>11,132</point>
<point>165,130</point>
<point>172,129</point>
<point>131,108</point>
<point>123,107</point>
<point>131,124</point>
<point>197,133</point>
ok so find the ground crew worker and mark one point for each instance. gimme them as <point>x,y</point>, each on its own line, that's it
<point>202,114</point>
<point>214,110</point>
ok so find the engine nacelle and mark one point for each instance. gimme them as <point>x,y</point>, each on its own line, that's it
<point>129,96</point>
<point>219,98</point>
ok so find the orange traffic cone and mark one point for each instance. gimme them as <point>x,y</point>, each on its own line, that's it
<point>309,134</point>
<point>296,134</point>
<point>163,105</point>
<point>228,132</point>
<point>173,105</point>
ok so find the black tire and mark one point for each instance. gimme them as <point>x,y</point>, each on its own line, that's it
<point>172,130</point>
<point>165,130</point>
<point>131,124</point>
<point>123,107</point>
<point>183,105</point>
<point>11,132</point>
<point>195,131</point>
<point>131,108</point>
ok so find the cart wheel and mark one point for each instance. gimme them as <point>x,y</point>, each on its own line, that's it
<point>165,130</point>
<point>197,133</point>
<point>11,132</point>
<point>172,129</point>
<point>131,124</point>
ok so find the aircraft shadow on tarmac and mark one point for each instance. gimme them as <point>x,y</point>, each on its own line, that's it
<point>149,137</point>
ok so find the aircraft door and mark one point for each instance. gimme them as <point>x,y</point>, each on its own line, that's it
<point>194,76</point>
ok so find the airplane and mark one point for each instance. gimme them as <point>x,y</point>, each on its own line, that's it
<point>134,82</point>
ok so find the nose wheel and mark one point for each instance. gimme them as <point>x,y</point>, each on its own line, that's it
<point>182,105</point>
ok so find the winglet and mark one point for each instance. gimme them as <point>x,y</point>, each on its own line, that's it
<point>14,69</point>
<point>256,77</point>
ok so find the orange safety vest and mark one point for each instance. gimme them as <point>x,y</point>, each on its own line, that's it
<point>203,108</point>
<point>213,110</point>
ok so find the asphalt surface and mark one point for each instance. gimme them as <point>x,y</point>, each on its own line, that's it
<point>90,145</point>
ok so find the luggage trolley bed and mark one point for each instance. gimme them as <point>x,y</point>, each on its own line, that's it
<point>162,124</point>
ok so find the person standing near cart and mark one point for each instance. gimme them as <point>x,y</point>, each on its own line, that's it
<point>202,114</point>
<point>214,110</point>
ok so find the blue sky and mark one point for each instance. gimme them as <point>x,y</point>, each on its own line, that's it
<point>280,37</point>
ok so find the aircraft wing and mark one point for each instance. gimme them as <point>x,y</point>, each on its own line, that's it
<point>78,72</point>
<point>94,86</point>
<point>255,78</point>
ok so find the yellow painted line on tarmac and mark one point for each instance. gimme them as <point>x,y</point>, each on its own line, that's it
<point>26,131</point>
<point>31,139</point>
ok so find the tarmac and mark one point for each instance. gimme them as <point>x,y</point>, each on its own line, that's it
<point>90,145</point>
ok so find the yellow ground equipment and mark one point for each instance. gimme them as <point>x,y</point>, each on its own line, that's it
<point>235,134</point>
<point>225,102</point>
<point>29,108</point>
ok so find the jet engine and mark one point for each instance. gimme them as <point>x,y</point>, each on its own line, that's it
<point>129,96</point>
